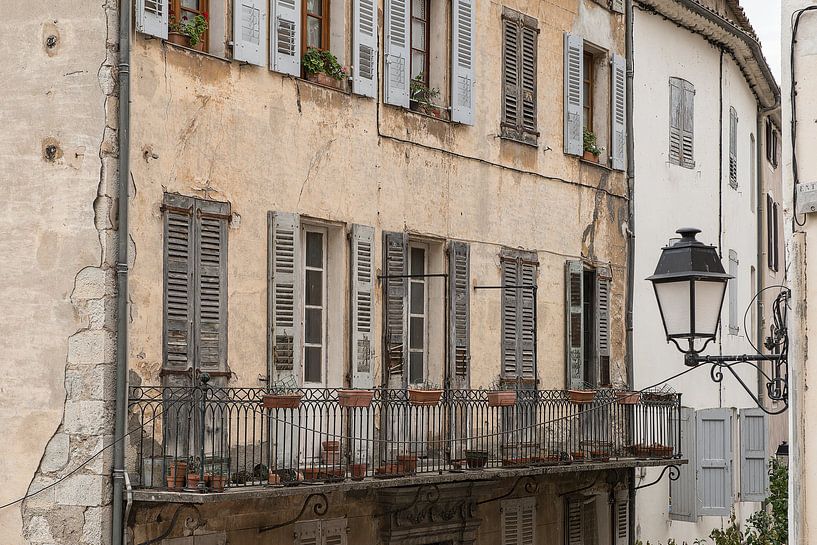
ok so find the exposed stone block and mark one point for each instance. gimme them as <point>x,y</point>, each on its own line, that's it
<point>39,530</point>
<point>86,490</point>
<point>91,346</point>
<point>56,453</point>
<point>87,417</point>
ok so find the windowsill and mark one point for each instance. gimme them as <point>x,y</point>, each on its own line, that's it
<point>444,114</point>
<point>346,91</point>
<point>510,138</point>
<point>196,51</point>
<point>595,164</point>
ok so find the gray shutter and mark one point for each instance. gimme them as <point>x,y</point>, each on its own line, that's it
<point>573,95</point>
<point>308,533</point>
<point>459,281</point>
<point>396,62</point>
<point>683,504</point>
<point>285,36</point>
<point>250,31</point>
<point>527,521</point>
<point>618,114</point>
<point>676,123</point>
<point>734,329</point>
<point>510,319</point>
<point>754,458</point>
<point>603,276</point>
<point>574,304</point>
<point>714,461</point>
<point>590,522</point>
<point>463,33</point>
<point>211,286</point>
<point>178,281</point>
<point>364,53</point>
<point>688,132</point>
<point>733,148</point>
<point>152,17</point>
<point>530,35</point>
<point>333,531</point>
<point>527,322</point>
<point>574,529</point>
<point>362,242</point>
<point>395,264</point>
<point>617,6</point>
<point>621,512</point>
<point>511,96</point>
<point>284,291</point>
<point>518,525</point>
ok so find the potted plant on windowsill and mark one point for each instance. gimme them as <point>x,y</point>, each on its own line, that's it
<point>355,398</point>
<point>425,394</point>
<point>193,473</point>
<point>322,67</point>
<point>175,34</point>
<point>283,395</point>
<point>591,150</point>
<point>500,396</point>
<point>423,97</point>
<point>585,395</point>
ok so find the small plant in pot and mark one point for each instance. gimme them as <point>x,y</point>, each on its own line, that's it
<point>323,67</point>
<point>423,97</point>
<point>476,459</point>
<point>193,473</point>
<point>425,394</point>
<point>175,34</point>
<point>499,395</point>
<point>283,395</point>
<point>355,398</point>
<point>188,32</point>
<point>177,475</point>
<point>591,149</point>
<point>584,395</point>
<point>358,471</point>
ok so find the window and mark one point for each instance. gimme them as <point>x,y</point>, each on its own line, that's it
<point>418,314</point>
<point>321,532</point>
<point>733,148</point>
<point>752,174</point>
<point>590,519</point>
<point>681,125</point>
<point>518,524</point>
<point>519,272</point>
<point>420,37</point>
<point>734,328</point>
<point>184,11</point>
<point>772,233</point>
<point>519,73</point>
<point>587,303</point>
<point>314,317</point>
<point>771,143</point>
<point>315,20</point>
<point>588,88</point>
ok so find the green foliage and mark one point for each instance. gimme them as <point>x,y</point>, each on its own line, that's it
<point>194,29</point>
<point>590,144</point>
<point>316,61</point>
<point>732,535</point>
<point>422,93</point>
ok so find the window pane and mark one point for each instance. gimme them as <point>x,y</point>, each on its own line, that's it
<point>417,325</point>
<point>416,367</point>
<point>312,364</point>
<point>187,16</point>
<point>192,4</point>
<point>418,35</point>
<point>313,32</point>
<point>314,6</point>
<point>418,63</point>
<point>314,288</point>
<point>312,325</point>
<point>417,298</point>
<point>314,250</point>
<point>418,256</point>
<point>418,9</point>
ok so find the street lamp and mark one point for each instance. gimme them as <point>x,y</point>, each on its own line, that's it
<point>690,284</point>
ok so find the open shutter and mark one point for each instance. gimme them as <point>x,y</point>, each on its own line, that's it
<point>308,532</point>
<point>590,522</point>
<point>574,305</point>
<point>152,17</point>
<point>333,532</point>
<point>530,35</point>
<point>754,458</point>
<point>574,529</point>
<point>250,31</point>
<point>621,512</point>
<point>683,504</point>
<point>618,113</point>
<point>396,80</point>
<point>362,241</point>
<point>688,132</point>
<point>714,435</point>
<point>463,21</point>
<point>285,37</point>
<point>510,318</point>
<point>676,123</point>
<point>603,276</point>
<point>285,323</point>
<point>459,282</point>
<point>364,54</point>
<point>178,281</point>
<point>617,6</point>
<point>527,318</point>
<point>573,94</point>
<point>733,148</point>
<point>734,328</point>
<point>511,95</point>
<point>211,286</point>
<point>395,257</point>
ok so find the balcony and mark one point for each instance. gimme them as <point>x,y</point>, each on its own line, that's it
<point>203,439</point>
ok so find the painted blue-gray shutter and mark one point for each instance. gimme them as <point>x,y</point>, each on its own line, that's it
<point>621,514</point>
<point>603,278</point>
<point>362,305</point>
<point>688,131</point>
<point>397,50</point>
<point>733,148</point>
<point>152,17</point>
<point>334,531</point>
<point>574,527</point>
<point>364,47</point>
<point>463,34</point>
<point>754,457</point>
<point>574,329</point>
<point>714,461</point>
<point>573,94</point>
<point>250,31</point>
<point>395,299</point>
<point>284,253</point>
<point>734,328</point>
<point>285,36</point>
<point>459,283</point>
<point>683,504</point>
<point>618,113</point>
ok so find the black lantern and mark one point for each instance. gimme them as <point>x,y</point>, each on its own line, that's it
<point>690,284</point>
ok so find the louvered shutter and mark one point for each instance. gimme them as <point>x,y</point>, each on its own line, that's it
<point>733,148</point>
<point>617,6</point>
<point>603,277</point>
<point>574,311</point>
<point>333,532</point>
<point>178,281</point>
<point>250,31</point>
<point>676,123</point>
<point>574,528</point>
<point>396,63</point>
<point>688,132</point>
<point>511,514</point>
<point>463,33</point>
<point>285,36</point>
<point>284,292</point>
<point>754,458</point>
<point>528,77</point>
<point>308,533</point>
<point>714,461</point>
<point>395,257</point>
<point>459,282</point>
<point>527,521</point>
<point>527,318</point>
<point>573,94</point>
<point>590,522</point>
<point>152,17</point>
<point>364,53</point>
<point>734,329</point>
<point>618,114</point>
<point>511,95</point>
<point>511,367</point>
<point>362,242</point>
<point>683,504</point>
<point>211,288</point>
<point>621,512</point>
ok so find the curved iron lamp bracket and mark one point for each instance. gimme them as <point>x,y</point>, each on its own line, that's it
<point>531,487</point>
<point>174,519</point>
<point>319,509</point>
<point>674,475</point>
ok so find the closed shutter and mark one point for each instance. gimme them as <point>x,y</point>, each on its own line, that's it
<point>574,528</point>
<point>733,148</point>
<point>683,504</point>
<point>285,37</point>
<point>308,533</point>
<point>362,242</point>
<point>510,73</point>
<point>459,281</point>
<point>590,522</point>
<point>510,318</point>
<point>776,236</point>
<point>714,461</point>
<point>574,312</point>
<point>284,293</point>
<point>530,34</point>
<point>754,458</point>
<point>211,284</point>
<point>396,62</point>
<point>519,272</point>
<point>463,33</point>
<point>527,318</point>
<point>621,513</point>
<point>250,31</point>
<point>333,532</point>
<point>519,76</point>
<point>573,94</point>
<point>688,132</point>
<point>618,113</point>
<point>364,55</point>
<point>770,231</point>
<point>617,6</point>
<point>734,329</point>
<point>152,17</point>
<point>527,521</point>
<point>178,279</point>
<point>603,277</point>
<point>518,524</point>
<point>395,261</point>
<point>682,116</point>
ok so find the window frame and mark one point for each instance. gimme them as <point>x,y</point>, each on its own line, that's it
<point>204,7</point>
<point>412,281</point>
<point>324,232</point>
<point>325,26</point>
<point>684,87</point>
<point>427,51</point>
<point>589,81</point>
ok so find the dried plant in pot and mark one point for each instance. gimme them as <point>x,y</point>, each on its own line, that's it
<point>425,394</point>
<point>500,396</point>
<point>628,398</point>
<point>355,398</point>
<point>283,395</point>
<point>581,396</point>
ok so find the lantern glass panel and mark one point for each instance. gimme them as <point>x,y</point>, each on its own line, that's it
<point>673,298</point>
<point>708,301</point>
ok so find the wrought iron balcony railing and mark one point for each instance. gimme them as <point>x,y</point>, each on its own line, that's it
<point>206,438</point>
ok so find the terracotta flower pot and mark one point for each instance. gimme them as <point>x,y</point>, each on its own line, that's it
<point>324,79</point>
<point>388,470</point>
<point>178,38</point>
<point>424,398</point>
<point>199,46</point>
<point>501,398</point>
<point>177,475</point>
<point>629,398</point>
<point>274,478</point>
<point>331,457</point>
<point>193,480</point>
<point>355,398</point>
<point>331,445</point>
<point>476,459</point>
<point>582,396</point>
<point>218,482</point>
<point>588,156</point>
<point>407,463</point>
<point>358,471</point>
<point>578,456</point>
<point>282,401</point>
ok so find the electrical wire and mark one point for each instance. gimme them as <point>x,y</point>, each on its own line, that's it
<point>749,307</point>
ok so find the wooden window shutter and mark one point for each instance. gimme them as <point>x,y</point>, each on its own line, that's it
<point>574,312</point>
<point>395,299</point>
<point>284,254</point>
<point>364,53</point>
<point>573,94</point>
<point>511,101</point>
<point>618,115</point>
<point>527,521</point>
<point>676,124</point>
<point>603,278</point>
<point>518,524</point>
<point>776,237</point>
<point>734,328</point>
<point>519,76</point>
<point>574,527</point>
<point>285,37</point>
<point>683,504</point>
<point>178,282</point>
<point>362,250</point>
<point>754,457</point>
<point>530,35</point>
<point>459,282</point>
<point>510,318</point>
<point>527,318</point>
<point>714,461</point>
<point>617,6</point>
<point>621,512</point>
<point>333,532</point>
<point>396,61</point>
<point>733,148</point>
<point>463,33</point>
<point>250,31</point>
<point>770,231</point>
<point>590,523</point>
<point>152,17</point>
<point>308,533</point>
<point>211,285</point>
<point>688,132</point>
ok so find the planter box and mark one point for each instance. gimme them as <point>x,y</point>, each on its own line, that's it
<point>178,39</point>
<point>476,459</point>
<point>582,396</point>
<point>407,463</point>
<point>355,398</point>
<point>282,401</point>
<point>325,79</point>
<point>501,398</point>
<point>590,157</point>
<point>424,398</point>
<point>358,471</point>
<point>629,398</point>
<point>388,470</point>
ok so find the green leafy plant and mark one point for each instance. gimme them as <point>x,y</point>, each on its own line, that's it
<point>316,61</point>
<point>590,143</point>
<point>193,29</point>
<point>422,93</point>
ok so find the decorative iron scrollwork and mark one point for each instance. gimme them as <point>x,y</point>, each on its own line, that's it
<point>674,475</point>
<point>320,508</point>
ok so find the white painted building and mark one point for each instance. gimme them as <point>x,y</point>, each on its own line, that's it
<point>701,89</point>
